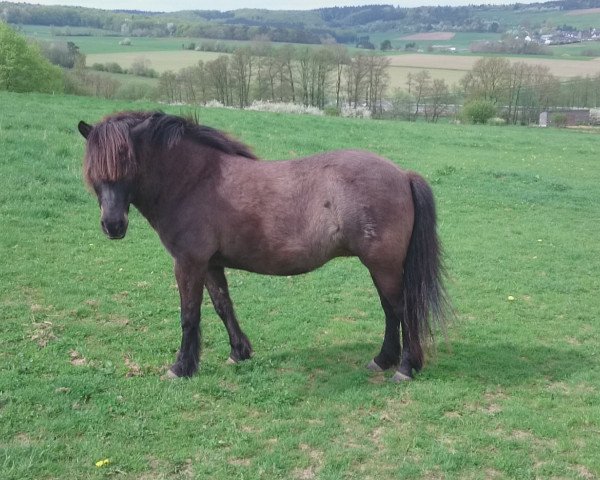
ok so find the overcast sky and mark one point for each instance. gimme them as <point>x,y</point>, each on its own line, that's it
<point>174,5</point>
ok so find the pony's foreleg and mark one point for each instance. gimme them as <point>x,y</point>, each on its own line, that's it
<point>190,280</point>
<point>216,284</point>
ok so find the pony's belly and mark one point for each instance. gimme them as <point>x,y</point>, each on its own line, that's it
<point>281,262</point>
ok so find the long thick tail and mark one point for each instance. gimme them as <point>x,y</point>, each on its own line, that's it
<point>425,300</point>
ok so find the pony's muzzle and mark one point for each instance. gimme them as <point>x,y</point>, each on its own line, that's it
<point>114,229</point>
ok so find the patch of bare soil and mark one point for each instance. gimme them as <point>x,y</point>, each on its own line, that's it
<point>430,36</point>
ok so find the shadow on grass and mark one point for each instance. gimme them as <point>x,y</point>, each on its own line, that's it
<point>342,366</point>
<point>508,364</point>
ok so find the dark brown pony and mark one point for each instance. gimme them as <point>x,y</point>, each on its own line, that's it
<point>215,206</point>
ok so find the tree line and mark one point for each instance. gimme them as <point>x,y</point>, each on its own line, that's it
<point>329,77</point>
<point>521,91</point>
<point>318,76</point>
<point>516,92</point>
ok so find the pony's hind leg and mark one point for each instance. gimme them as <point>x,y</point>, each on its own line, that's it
<point>216,284</point>
<point>389,289</point>
<point>408,358</point>
<point>412,354</point>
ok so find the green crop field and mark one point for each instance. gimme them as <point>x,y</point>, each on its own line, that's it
<point>460,40</point>
<point>88,326</point>
<point>580,19</point>
<point>104,42</point>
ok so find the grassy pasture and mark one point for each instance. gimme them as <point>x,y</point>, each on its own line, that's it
<point>461,40</point>
<point>580,19</point>
<point>87,326</point>
<point>101,43</point>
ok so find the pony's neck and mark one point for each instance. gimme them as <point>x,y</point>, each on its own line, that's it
<point>167,180</point>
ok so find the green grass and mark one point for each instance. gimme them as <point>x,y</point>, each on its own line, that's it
<point>575,51</point>
<point>104,42</point>
<point>461,40</point>
<point>88,326</point>
<point>536,19</point>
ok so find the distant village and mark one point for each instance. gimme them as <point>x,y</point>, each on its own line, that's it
<point>563,37</point>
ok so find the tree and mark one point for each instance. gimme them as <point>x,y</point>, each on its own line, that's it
<point>533,89</point>
<point>421,81</point>
<point>437,100</point>
<point>488,80</point>
<point>546,92</point>
<point>217,76</point>
<point>518,78</point>
<point>265,73</point>
<point>365,42</point>
<point>193,83</point>
<point>356,76</point>
<point>169,87</point>
<point>377,81</point>
<point>304,72</point>
<point>141,66</point>
<point>22,66</point>
<point>402,104</point>
<point>240,69</point>
<point>341,58</point>
<point>286,58</point>
<point>314,67</point>
<point>323,64</point>
<point>386,45</point>
<point>63,54</point>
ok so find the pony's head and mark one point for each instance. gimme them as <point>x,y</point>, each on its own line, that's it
<point>114,146</point>
<point>110,168</point>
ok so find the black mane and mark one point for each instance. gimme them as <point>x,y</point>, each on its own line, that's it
<point>166,131</point>
<point>110,150</point>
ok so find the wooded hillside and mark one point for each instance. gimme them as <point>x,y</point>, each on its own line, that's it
<point>343,24</point>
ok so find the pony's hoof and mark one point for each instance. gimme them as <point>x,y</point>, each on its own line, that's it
<point>231,361</point>
<point>374,367</point>
<point>170,375</point>
<point>400,377</point>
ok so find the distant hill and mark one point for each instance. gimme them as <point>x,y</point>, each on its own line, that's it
<point>342,24</point>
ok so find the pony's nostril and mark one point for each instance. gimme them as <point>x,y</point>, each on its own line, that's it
<point>114,229</point>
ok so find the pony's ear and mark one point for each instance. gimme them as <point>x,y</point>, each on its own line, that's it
<point>84,129</point>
